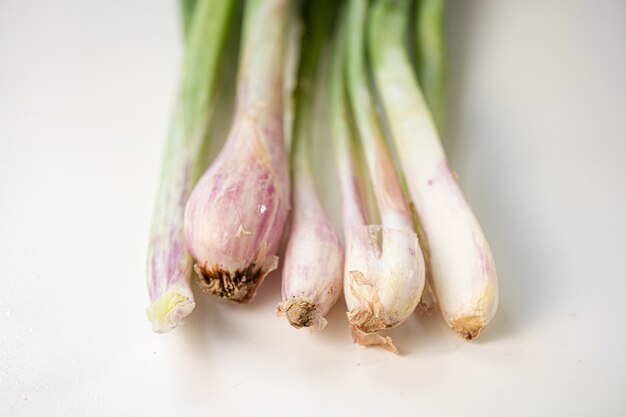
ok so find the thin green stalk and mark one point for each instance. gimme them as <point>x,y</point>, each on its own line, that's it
<point>354,214</point>
<point>431,55</point>
<point>384,178</point>
<point>318,26</point>
<point>187,8</point>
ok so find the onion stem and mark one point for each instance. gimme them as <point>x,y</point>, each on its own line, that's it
<point>384,267</point>
<point>169,262</point>
<point>431,55</point>
<point>235,216</point>
<point>463,268</point>
<point>312,274</point>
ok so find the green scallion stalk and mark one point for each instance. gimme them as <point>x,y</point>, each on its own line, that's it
<point>431,55</point>
<point>169,262</point>
<point>187,8</point>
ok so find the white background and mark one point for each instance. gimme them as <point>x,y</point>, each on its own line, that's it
<point>536,131</point>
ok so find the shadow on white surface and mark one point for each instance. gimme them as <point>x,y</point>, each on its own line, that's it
<point>216,321</point>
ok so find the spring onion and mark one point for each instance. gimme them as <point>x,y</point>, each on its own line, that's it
<point>235,216</point>
<point>169,262</point>
<point>431,55</point>
<point>312,273</point>
<point>463,268</point>
<point>384,266</point>
<point>187,8</point>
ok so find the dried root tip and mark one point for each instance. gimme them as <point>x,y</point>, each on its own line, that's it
<point>240,286</point>
<point>368,317</point>
<point>363,325</point>
<point>168,311</point>
<point>366,321</point>
<point>468,327</point>
<point>424,308</point>
<point>302,313</point>
<point>372,339</point>
<point>428,302</point>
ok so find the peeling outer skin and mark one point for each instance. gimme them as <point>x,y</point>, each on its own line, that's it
<point>368,317</point>
<point>366,320</point>
<point>302,313</point>
<point>383,284</point>
<point>239,286</point>
<point>369,339</point>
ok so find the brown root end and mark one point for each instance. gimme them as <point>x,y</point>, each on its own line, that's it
<point>369,339</point>
<point>366,321</point>
<point>239,287</point>
<point>302,313</point>
<point>468,327</point>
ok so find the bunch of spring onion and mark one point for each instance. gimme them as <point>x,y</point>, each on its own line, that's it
<point>406,224</point>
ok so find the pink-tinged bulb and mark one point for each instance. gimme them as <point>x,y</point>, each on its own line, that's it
<point>236,214</point>
<point>313,269</point>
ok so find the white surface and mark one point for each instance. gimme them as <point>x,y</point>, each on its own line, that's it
<point>536,131</point>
